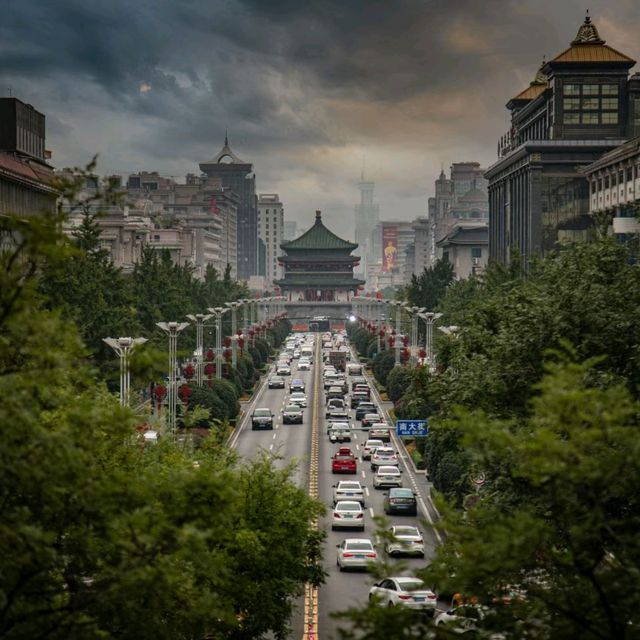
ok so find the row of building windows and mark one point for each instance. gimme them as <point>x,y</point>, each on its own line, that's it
<point>572,104</point>
<point>590,117</point>
<point>590,89</point>
<point>615,179</point>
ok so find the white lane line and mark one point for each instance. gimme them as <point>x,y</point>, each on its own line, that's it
<point>274,436</point>
<point>270,447</point>
<point>366,491</point>
<point>357,447</point>
<point>371,512</point>
<point>364,475</point>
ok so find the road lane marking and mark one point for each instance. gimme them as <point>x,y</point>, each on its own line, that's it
<point>366,491</point>
<point>363,473</point>
<point>371,512</point>
<point>271,447</point>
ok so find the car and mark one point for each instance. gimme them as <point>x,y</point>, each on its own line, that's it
<point>356,553</point>
<point>292,414</point>
<point>283,370</point>
<point>400,500</point>
<point>276,382</point>
<point>334,404</point>
<point>363,408</point>
<point>304,364</point>
<point>338,415</point>
<point>343,461</point>
<point>383,455</point>
<point>298,397</point>
<point>347,513</point>
<point>261,419</point>
<point>296,354</point>
<point>150,436</point>
<point>348,490</point>
<point>354,369</point>
<point>370,446</point>
<point>339,432</point>
<point>387,476</point>
<point>357,397</point>
<point>464,619</point>
<point>381,431</point>
<point>343,424</point>
<point>356,380</point>
<point>403,591</point>
<point>335,392</point>
<point>404,540</point>
<point>368,419</point>
<point>297,385</point>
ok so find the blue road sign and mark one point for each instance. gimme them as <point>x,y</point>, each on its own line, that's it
<point>412,427</point>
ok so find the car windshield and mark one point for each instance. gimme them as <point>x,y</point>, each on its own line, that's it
<point>388,471</point>
<point>348,506</point>
<point>292,407</point>
<point>339,425</point>
<point>298,394</point>
<point>351,486</point>
<point>406,531</point>
<point>401,493</point>
<point>358,546</point>
<point>297,381</point>
<point>410,584</point>
<point>276,378</point>
<point>262,413</point>
<point>373,443</point>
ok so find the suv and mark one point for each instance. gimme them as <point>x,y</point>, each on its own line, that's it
<point>334,404</point>
<point>261,419</point>
<point>339,432</point>
<point>292,413</point>
<point>381,431</point>
<point>364,408</point>
<point>297,385</point>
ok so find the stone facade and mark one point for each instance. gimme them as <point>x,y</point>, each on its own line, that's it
<point>271,232</point>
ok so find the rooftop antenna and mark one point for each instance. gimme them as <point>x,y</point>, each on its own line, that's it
<point>226,137</point>
<point>10,92</point>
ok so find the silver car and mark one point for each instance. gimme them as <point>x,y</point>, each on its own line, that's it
<point>299,398</point>
<point>292,414</point>
<point>370,446</point>
<point>403,591</point>
<point>405,540</point>
<point>387,477</point>
<point>356,553</point>
<point>383,456</point>
<point>348,490</point>
<point>347,513</point>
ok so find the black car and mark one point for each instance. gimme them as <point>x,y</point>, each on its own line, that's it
<point>400,500</point>
<point>297,385</point>
<point>261,419</point>
<point>359,396</point>
<point>364,408</point>
<point>276,382</point>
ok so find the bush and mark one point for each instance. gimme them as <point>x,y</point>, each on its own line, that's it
<point>398,382</point>
<point>209,399</point>
<point>382,365</point>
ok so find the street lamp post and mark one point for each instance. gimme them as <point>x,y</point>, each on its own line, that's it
<point>398,305</point>
<point>218,312</point>
<point>199,319</point>
<point>123,347</point>
<point>172,329</point>
<point>429,318</point>
<point>234,328</point>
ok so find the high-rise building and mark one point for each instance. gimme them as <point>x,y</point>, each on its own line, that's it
<point>238,176</point>
<point>367,216</point>
<point>271,232</point>
<point>580,105</point>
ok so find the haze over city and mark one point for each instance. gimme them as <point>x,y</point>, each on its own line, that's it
<point>306,89</point>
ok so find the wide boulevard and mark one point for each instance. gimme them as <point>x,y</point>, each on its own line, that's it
<point>293,443</point>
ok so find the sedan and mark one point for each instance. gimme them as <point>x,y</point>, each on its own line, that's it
<point>344,461</point>
<point>365,407</point>
<point>292,414</point>
<point>276,382</point>
<point>304,364</point>
<point>299,398</point>
<point>400,500</point>
<point>405,540</point>
<point>370,446</point>
<point>403,591</point>
<point>355,553</point>
<point>283,370</point>
<point>387,477</point>
<point>368,419</point>
<point>297,385</point>
<point>381,431</point>
<point>347,513</point>
<point>383,456</point>
<point>348,490</point>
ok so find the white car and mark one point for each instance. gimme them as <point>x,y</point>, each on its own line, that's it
<point>356,553</point>
<point>347,513</point>
<point>283,370</point>
<point>403,591</point>
<point>405,540</point>
<point>387,477</point>
<point>304,364</point>
<point>383,456</point>
<point>464,619</point>
<point>296,354</point>
<point>369,447</point>
<point>299,398</point>
<point>348,490</point>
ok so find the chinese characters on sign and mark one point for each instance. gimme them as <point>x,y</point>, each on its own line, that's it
<point>412,428</point>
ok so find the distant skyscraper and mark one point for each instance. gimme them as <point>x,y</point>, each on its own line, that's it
<point>271,232</point>
<point>366,219</point>
<point>239,177</point>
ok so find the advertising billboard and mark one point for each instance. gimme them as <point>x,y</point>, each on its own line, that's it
<point>389,248</point>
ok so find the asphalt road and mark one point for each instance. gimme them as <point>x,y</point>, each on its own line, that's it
<point>289,443</point>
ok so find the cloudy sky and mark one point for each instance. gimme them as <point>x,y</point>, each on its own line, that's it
<point>307,88</point>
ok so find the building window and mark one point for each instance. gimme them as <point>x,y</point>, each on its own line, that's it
<point>590,89</point>
<point>610,104</point>
<point>476,252</point>
<point>609,89</point>
<point>571,89</point>
<point>607,182</point>
<point>571,103</point>
<point>610,117</point>
<point>629,174</point>
<point>590,103</point>
<point>590,118</point>
<point>572,118</point>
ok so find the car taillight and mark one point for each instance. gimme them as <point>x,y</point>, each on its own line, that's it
<point>404,597</point>
<point>372,555</point>
<point>336,515</point>
<point>360,515</point>
<point>432,596</point>
<point>347,555</point>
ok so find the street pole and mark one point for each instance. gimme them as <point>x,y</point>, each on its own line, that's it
<point>199,319</point>
<point>430,318</point>
<point>234,328</point>
<point>172,329</point>
<point>398,306</point>
<point>218,312</point>
<point>123,348</point>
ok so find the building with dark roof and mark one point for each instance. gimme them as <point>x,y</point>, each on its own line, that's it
<point>238,176</point>
<point>464,247</point>
<point>318,266</point>
<point>25,177</point>
<point>580,105</point>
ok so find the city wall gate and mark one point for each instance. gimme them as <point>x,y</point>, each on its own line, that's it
<point>303,314</point>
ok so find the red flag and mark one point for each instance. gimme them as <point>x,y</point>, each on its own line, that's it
<point>213,206</point>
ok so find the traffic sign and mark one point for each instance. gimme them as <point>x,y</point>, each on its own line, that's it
<point>412,427</point>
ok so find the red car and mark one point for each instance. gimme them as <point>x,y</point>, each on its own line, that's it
<point>344,461</point>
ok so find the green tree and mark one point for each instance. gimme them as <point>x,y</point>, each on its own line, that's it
<point>398,382</point>
<point>428,288</point>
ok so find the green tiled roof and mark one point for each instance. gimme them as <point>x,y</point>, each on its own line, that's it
<point>318,237</point>
<point>309,281</point>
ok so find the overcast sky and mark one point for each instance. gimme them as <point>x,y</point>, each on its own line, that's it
<point>306,88</point>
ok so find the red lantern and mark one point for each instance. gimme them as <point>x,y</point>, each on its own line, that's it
<point>189,371</point>
<point>404,355</point>
<point>227,342</point>
<point>226,354</point>
<point>251,333</point>
<point>381,333</point>
<point>241,343</point>
<point>160,392</point>
<point>184,392</point>
<point>209,369</point>
<point>405,341</point>
<point>422,353</point>
<point>392,341</point>
<point>210,355</point>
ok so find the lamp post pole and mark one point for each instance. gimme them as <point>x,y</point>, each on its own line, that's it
<point>234,329</point>
<point>172,329</point>
<point>199,319</point>
<point>398,305</point>
<point>218,312</point>
<point>123,348</point>
<point>429,318</point>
